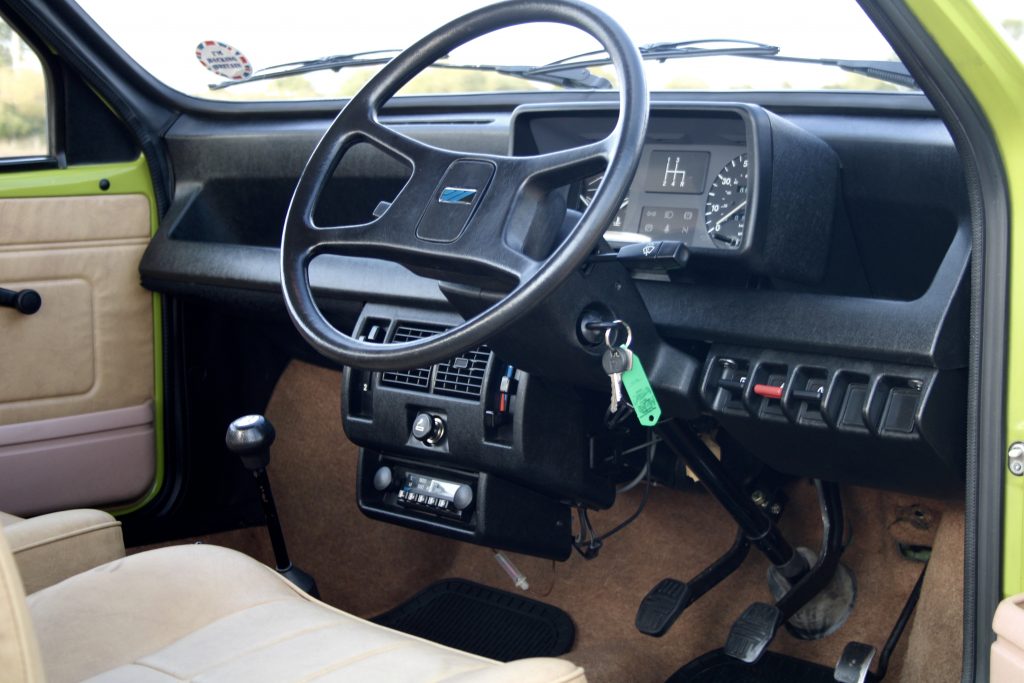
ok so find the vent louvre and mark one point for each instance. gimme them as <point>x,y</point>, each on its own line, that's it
<point>463,376</point>
<point>417,379</point>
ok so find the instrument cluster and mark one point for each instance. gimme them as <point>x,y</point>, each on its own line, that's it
<point>673,198</point>
<point>740,187</point>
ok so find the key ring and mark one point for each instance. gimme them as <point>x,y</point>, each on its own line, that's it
<point>613,325</point>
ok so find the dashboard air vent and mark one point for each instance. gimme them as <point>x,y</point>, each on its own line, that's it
<point>463,376</point>
<point>417,379</point>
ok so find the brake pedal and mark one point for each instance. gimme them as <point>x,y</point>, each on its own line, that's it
<point>662,606</point>
<point>753,631</point>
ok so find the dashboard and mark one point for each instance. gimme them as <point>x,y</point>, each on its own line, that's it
<point>829,261</point>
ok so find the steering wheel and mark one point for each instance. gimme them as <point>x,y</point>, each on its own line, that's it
<point>462,212</point>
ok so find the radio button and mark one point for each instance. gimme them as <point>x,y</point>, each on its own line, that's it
<point>382,478</point>
<point>463,497</point>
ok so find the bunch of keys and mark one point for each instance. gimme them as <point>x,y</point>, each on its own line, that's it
<point>626,372</point>
<point>616,361</point>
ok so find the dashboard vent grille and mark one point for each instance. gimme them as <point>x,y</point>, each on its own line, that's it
<point>417,379</point>
<point>463,376</point>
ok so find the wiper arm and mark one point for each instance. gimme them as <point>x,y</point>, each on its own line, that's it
<point>332,63</point>
<point>664,51</point>
<point>890,72</point>
<point>569,76</point>
<point>574,71</point>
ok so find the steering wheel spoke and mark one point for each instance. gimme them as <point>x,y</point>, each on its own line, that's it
<point>556,169</point>
<point>418,154</point>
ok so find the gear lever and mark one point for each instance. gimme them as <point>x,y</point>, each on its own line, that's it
<point>250,438</point>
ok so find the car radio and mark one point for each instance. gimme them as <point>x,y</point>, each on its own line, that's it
<point>468,505</point>
<point>422,492</point>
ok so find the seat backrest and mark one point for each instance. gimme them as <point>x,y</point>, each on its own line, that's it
<point>19,651</point>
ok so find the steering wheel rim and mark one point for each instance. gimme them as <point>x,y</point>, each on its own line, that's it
<point>358,121</point>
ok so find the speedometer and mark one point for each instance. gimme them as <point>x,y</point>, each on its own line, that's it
<point>725,212</point>
<point>587,192</point>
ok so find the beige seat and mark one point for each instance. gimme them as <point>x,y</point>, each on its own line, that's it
<point>204,613</point>
<point>50,548</point>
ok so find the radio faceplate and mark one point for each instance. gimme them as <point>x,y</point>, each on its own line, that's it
<point>470,506</point>
<point>432,494</point>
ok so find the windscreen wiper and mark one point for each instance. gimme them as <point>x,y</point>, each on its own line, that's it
<point>890,72</point>
<point>329,63</point>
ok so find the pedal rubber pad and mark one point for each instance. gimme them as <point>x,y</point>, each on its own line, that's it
<point>854,664</point>
<point>662,606</point>
<point>753,631</point>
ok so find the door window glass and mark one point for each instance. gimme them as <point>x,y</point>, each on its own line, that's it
<point>24,130</point>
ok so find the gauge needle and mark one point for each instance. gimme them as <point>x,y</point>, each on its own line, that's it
<point>734,210</point>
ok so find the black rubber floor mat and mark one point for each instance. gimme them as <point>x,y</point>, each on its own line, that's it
<point>483,620</point>
<point>717,667</point>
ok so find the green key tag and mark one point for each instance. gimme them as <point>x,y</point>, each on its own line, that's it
<point>640,393</point>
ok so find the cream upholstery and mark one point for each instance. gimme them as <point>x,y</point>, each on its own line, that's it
<point>204,613</point>
<point>52,547</point>
<point>82,255</point>
<point>19,653</point>
<point>1008,649</point>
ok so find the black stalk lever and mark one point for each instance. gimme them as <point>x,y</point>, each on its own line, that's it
<point>250,438</point>
<point>663,255</point>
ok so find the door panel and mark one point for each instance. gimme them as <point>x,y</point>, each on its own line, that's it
<point>76,413</point>
<point>53,332</point>
<point>77,461</point>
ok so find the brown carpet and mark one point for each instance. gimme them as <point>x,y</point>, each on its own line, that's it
<point>936,638</point>
<point>367,567</point>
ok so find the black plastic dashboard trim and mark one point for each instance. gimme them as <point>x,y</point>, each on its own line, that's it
<point>886,330</point>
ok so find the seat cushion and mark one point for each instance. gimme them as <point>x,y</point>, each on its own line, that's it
<point>6,519</point>
<point>50,548</point>
<point>204,613</point>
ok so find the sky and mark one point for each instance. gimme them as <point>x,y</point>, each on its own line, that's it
<point>271,32</point>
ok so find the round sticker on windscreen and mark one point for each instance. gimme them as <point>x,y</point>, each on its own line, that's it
<point>223,60</point>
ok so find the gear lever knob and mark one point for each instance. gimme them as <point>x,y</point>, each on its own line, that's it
<point>250,438</point>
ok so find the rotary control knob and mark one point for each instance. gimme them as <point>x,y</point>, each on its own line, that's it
<point>382,478</point>
<point>428,429</point>
<point>463,497</point>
